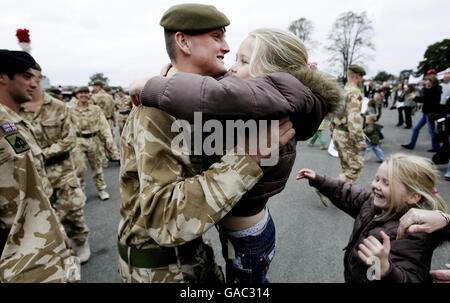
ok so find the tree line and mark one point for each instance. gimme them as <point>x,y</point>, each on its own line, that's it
<point>350,42</point>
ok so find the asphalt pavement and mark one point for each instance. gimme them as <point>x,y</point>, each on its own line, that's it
<point>310,237</point>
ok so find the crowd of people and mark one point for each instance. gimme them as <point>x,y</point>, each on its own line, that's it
<point>171,195</point>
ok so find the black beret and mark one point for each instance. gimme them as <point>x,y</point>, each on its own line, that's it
<point>56,91</point>
<point>37,67</point>
<point>13,62</point>
<point>357,69</point>
<point>193,17</point>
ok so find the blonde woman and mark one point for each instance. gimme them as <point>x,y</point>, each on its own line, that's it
<point>401,183</point>
<point>270,79</point>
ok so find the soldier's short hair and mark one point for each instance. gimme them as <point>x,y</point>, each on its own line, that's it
<point>169,37</point>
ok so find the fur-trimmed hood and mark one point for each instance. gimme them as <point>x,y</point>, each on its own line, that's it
<point>325,85</point>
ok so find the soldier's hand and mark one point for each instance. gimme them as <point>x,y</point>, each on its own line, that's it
<point>306,173</point>
<point>136,88</point>
<point>67,241</point>
<point>109,144</point>
<point>285,133</point>
<point>364,147</point>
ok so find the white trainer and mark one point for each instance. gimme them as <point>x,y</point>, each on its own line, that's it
<point>103,194</point>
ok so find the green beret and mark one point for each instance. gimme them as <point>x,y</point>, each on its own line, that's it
<point>193,17</point>
<point>357,69</point>
<point>107,88</point>
<point>82,89</point>
<point>98,83</point>
<point>120,89</point>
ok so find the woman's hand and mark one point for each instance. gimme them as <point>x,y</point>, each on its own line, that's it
<point>306,173</point>
<point>441,275</point>
<point>420,220</point>
<point>135,89</point>
<point>371,247</point>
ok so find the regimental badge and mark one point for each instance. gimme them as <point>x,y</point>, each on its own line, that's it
<point>17,142</point>
<point>9,127</point>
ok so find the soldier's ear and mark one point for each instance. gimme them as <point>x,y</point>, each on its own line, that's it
<point>183,44</point>
<point>3,78</point>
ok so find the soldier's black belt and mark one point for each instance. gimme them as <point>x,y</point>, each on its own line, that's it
<point>80,135</point>
<point>125,113</point>
<point>57,159</point>
<point>160,256</point>
<point>344,128</point>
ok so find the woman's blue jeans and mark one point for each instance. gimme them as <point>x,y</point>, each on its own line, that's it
<point>252,255</point>
<point>415,134</point>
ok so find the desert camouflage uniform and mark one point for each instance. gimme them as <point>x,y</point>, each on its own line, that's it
<point>73,101</point>
<point>124,106</point>
<point>56,136</point>
<point>35,250</point>
<point>89,121</point>
<point>106,103</point>
<point>165,203</point>
<point>348,135</point>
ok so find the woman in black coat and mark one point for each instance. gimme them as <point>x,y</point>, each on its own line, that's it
<point>430,99</point>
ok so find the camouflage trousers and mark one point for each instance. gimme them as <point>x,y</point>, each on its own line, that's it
<point>69,201</point>
<point>112,153</point>
<point>90,148</point>
<point>349,155</point>
<point>122,119</point>
<point>203,270</point>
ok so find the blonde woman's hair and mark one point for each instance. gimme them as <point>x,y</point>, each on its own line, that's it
<point>278,50</point>
<point>418,175</point>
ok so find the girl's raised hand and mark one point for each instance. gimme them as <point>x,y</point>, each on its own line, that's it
<point>306,173</point>
<point>372,248</point>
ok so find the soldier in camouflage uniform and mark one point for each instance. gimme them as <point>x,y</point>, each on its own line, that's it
<point>90,124</point>
<point>346,128</point>
<point>106,103</point>
<point>124,106</point>
<point>32,244</point>
<point>166,204</point>
<point>56,136</point>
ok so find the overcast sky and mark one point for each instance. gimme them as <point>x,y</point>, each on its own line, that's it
<point>123,39</point>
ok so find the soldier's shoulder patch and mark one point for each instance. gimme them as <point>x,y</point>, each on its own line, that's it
<point>9,127</point>
<point>17,142</point>
<point>359,98</point>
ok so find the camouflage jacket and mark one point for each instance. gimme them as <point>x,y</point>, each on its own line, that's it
<point>164,202</point>
<point>90,120</point>
<point>106,103</point>
<point>351,115</point>
<point>34,250</point>
<point>55,134</point>
<point>124,104</point>
<point>73,101</point>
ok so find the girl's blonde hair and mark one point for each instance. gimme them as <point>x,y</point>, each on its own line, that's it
<point>278,50</point>
<point>418,175</point>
